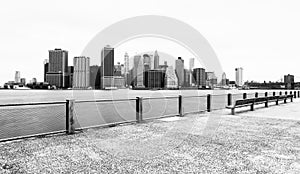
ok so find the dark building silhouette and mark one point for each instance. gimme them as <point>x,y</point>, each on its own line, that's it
<point>289,81</point>
<point>46,68</point>
<point>154,79</point>
<point>199,77</point>
<point>95,77</point>
<point>107,67</point>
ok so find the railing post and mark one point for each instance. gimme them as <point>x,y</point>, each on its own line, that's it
<point>286,93</point>
<point>298,94</point>
<point>266,95</point>
<point>139,109</point>
<point>244,95</point>
<point>295,94</point>
<point>256,95</point>
<point>229,99</point>
<point>70,128</point>
<point>280,93</point>
<point>274,93</point>
<point>291,92</point>
<point>208,103</point>
<point>180,106</point>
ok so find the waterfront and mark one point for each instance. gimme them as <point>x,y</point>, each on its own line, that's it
<point>28,120</point>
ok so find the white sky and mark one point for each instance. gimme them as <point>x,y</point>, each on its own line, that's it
<point>261,36</point>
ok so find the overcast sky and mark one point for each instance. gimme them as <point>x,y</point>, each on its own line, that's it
<point>263,37</point>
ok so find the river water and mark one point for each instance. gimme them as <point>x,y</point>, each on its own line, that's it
<point>27,120</point>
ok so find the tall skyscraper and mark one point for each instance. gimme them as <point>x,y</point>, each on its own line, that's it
<point>151,61</point>
<point>239,77</point>
<point>199,77</point>
<point>156,60</point>
<point>147,62</point>
<point>107,67</point>
<point>81,76</point>
<point>179,69</point>
<point>126,63</point>
<point>17,77</point>
<point>138,71</point>
<point>224,82</point>
<point>46,69</point>
<point>191,67</point>
<point>58,68</point>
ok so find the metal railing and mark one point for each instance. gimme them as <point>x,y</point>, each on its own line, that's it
<point>18,121</point>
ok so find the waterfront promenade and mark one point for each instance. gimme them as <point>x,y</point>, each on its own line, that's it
<point>266,140</point>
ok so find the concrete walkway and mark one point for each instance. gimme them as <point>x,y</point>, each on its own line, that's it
<point>290,110</point>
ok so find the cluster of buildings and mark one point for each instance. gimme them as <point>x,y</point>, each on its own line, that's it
<point>144,72</point>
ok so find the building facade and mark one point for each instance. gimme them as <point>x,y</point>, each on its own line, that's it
<point>179,69</point>
<point>95,77</point>
<point>138,71</point>
<point>289,81</point>
<point>154,79</point>
<point>58,68</point>
<point>156,60</point>
<point>17,77</point>
<point>239,77</point>
<point>199,77</point>
<point>81,75</point>
<point>171,80</point>
<point>107,67</point>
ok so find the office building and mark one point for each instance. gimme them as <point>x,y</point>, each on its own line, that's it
<point>58,68</point>
<point>156,60</point>
<point>107,67</point>
<point>70,75</point>
<point>289,81</point>
<point>17,77</point>
<point>191,67</point>
<point>154,79</point>
<point>211,79</point>
<point>126,63</point>
<point>224,79</point>
<point>187,78</point>
<point>147,62</point>
<point>138,71</point>
<point>23,81</point>
<point>118,69</point>
<point>199,77</point>
<point>179,69</point>
<point>171,80</point>
<point>46,68</point>
<point>239,77</point>
<point>81,75</point>
<point>95,76</point>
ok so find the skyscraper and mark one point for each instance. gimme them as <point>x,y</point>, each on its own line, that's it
<point>107,67</point>
<point>179,69</point>
<point>239,77</point>
<point>95,77</point>
<point>199,77</point>
<point>147,62</point>
<point>156,60</point>
<point>17,77</point>
<point>58,68</point>
<point>224,82</point>
<point>81,76</point>
<point>289,81</point>
<point>171,80</point>
<point>154,79</point>
<point>138,71</point>
<point>126,63</point>
<point>46,68</point>
<point>191,67</point>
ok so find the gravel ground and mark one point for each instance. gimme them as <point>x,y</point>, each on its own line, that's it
<point>205,143</point>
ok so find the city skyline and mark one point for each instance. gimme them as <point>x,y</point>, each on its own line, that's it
<point>234,38</point>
